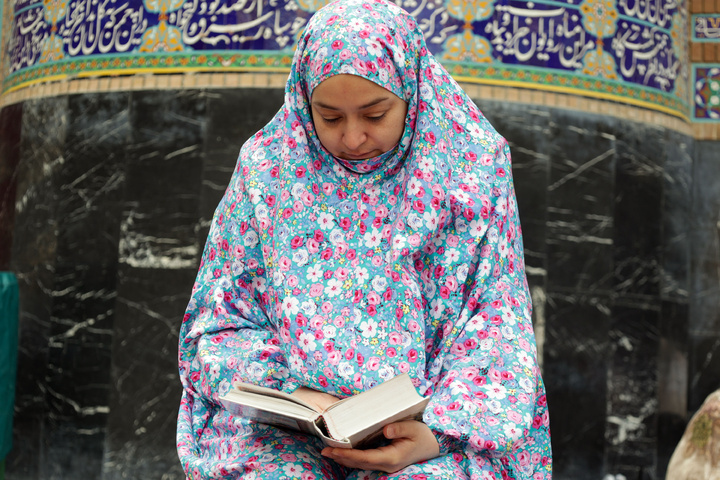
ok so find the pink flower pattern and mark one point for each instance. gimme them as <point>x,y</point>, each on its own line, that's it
<point>338,275</point>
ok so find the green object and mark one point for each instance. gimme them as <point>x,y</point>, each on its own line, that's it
<point>8,359</point>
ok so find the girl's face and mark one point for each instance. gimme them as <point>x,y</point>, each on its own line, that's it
<point>355,119</point>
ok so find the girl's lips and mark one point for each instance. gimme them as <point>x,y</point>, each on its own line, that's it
<point>362,156</point>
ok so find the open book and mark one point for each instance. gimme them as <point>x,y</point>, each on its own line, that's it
<point>350,423</point>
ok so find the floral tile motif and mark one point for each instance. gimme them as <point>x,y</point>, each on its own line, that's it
<point>707,93</point>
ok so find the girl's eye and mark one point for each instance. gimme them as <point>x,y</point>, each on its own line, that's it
<point>376,118</point>
<point>330,120</point>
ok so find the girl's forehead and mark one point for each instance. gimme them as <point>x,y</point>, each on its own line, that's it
<point>334,91</point>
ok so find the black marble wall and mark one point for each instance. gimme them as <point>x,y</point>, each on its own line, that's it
<point>106,199</point>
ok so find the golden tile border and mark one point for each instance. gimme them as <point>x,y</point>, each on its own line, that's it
<point>701,131</point>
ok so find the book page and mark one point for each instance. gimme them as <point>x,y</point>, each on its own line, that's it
<point>391,401</point>
<point>278,405</point>
<point>269,392</point>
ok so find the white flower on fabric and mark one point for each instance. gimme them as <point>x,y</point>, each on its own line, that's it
<point>326,221</point>
<point>299,136</point>
<point>278,278</point>
<point>512,431</point>
<point>345,370</point>
<point>374,48</point>
<point>494,406</point>
<point>461,196</point>
<point>300,257</point>
<point>478,227</point>
<point>261,211</point>
<point>492,235</point>
<point>461,225</point>
<point>414,186</point>
<point>333,288</point>
<point>214,371</point>
<point>292,470</point>
<point>399,56</point>
<point>471,178</point>
<point>314,273</point>
<point>525,382</point>
<point>458,389</point>
<point>255,370</point>
<point>425,164</point>
<point>451,255</point>
<point>462,272</point>
<point>431,219</point>
<point>218,295</point>
<point>321,54</point>
<point>383,76</point>
<point>485,268</point>
<point>309,308</point>
<point>386,372</point>
<point>379,283</point>
<point>495,391</point>
<point>258,284</point>
<point>361,275</point>
<point>254,194</point>
<point>486,344</point>
<point>429,289</point>
<point>258,154</point>
<point>307,342</point>
<point>372,238</point>
<point>297,190</point>
<point>368,328</point>
<point>399,242</point>
<point>296,362</point>
<point>329,331</point>
<point>426,92</point>
<point>414,221</point>
<point>437,307</point>
<point>475,131</point>
<point>336,236</point>
<point>503,247</point>
<point>508,332</point>
<point>526,361</point>
<point>290,306</point>
<point>251,238</point>
<point>508,317</point>
<point>501,205</point>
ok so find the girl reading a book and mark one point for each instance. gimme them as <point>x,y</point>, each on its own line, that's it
<point>370,229</point>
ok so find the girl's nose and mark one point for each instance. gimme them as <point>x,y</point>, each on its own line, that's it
<point>354,136</point>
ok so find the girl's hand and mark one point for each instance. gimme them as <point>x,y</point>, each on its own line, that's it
<point>412,442</point>
<point>318,400</point>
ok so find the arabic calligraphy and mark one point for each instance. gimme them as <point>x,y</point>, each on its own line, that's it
<point>707,27</point>
<point>657,12</point>
<point>645,55</point>
<point>544,37</point>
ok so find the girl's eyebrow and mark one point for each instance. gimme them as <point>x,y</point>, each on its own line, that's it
<point>367,105</point>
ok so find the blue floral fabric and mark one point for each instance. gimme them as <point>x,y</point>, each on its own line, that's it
<point>338,275</point>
